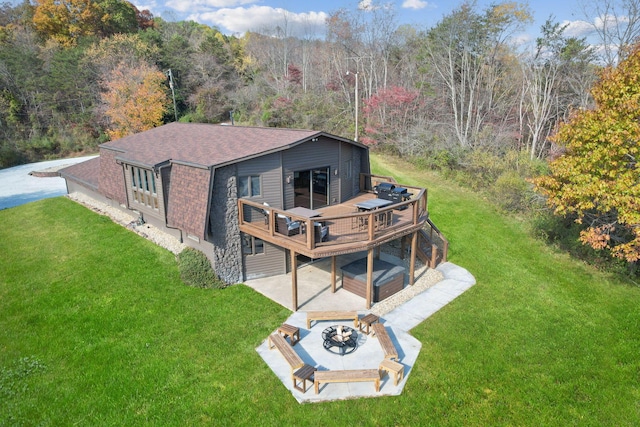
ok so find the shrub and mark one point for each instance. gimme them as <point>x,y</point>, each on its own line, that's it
<point>511,192</point>
<point>195,270</point>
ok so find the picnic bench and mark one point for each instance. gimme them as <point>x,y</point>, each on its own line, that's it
<point>346,376</point>
<point>332,315</point>
<point>290,355</point>
<point>388,348</point>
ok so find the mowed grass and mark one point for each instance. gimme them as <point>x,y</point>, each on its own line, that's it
<point>97,329</point>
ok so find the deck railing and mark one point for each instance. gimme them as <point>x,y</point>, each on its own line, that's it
<point>433,245</point>
<point>352,229</point>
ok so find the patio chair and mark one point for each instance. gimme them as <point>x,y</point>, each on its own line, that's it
<point>284,225</point>
<point>321,232</point>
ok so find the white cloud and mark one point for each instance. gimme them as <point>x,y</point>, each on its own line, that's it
<point>204,5</point>
<point>257,18</point>
<point>578,29</point>
<point>414,4</point>
<point>367,5</point>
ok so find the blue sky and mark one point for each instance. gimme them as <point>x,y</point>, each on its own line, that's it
<point>239,16</point>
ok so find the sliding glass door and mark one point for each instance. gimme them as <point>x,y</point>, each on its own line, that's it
<point>311,188</point>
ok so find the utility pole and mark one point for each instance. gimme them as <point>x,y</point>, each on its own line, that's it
<point>173,93</point>
<point>356,104</point>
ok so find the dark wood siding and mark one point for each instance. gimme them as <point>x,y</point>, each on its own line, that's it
<point>270,172</point>
<point>270,263</point>
<point>309,155</point>
<point>347,172</point>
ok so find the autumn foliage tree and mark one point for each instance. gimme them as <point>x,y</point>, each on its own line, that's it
<point>135,99</point>
<point>67,20</point>
<point>389,113</point>
<point>597,179</point>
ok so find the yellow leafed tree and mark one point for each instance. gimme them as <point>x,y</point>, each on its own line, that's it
<point>597,179</point>
<point>66,20</point>
<point>135,99</point>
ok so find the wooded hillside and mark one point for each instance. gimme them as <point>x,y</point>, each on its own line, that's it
<point>69,70</point>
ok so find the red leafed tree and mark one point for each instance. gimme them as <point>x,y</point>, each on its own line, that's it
<point>294,74</point>
<point>389,114</point>
<point>135,99</point>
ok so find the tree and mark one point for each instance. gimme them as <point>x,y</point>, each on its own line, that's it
<point>471,63</point>
<point>597,179</point>
<point>389,114</point>
<point>554,79</point>
<point>616,23</point>
<point>135,99</point>
<point>67,20</point>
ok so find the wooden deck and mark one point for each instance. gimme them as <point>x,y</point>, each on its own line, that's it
<point>349,230</point>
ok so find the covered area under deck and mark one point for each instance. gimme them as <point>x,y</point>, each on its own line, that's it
<point>342,229</point>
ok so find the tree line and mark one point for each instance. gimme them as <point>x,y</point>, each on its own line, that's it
<point>78,72</point>
<point>462,96</point>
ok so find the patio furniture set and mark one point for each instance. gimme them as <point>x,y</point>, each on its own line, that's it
<point>340,340</point>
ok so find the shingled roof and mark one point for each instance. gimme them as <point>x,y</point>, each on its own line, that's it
<point>205,145</point>
<point>85,172</point>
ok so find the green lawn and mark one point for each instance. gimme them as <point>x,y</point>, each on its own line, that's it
<point>96,329</point>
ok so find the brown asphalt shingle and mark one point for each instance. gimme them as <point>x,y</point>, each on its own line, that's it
<point>203,144</point>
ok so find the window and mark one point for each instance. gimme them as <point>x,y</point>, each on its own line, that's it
<point>249,186</point>
<point>143,183</point>
<point>252,245</point>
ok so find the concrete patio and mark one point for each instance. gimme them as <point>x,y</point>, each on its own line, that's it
<point>315,294</point>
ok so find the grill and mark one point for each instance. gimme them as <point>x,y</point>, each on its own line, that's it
<point>383,190</point>
<point>399,194</point>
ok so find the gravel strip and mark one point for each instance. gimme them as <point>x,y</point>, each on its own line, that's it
<point>130,221</point>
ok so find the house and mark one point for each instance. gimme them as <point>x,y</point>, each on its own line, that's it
<point>249,197</point>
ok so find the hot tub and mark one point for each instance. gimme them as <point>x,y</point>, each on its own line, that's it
<point>388,278</point>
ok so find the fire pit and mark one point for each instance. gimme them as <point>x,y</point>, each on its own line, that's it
<point>340,339</point>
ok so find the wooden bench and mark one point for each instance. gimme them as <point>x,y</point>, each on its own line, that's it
<point>290,355</point>
<point>388,348</point>
<point>332,315</point>
<point>346,376</point>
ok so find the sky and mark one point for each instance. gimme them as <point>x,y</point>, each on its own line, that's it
<point>235,17</point>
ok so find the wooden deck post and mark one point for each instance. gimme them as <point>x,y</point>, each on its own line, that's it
<point>333,274</point>
<point>369,277</point>
<point>294,281</point>
<point>412,263</point>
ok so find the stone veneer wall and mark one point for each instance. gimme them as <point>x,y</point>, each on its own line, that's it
<point>224,228</point>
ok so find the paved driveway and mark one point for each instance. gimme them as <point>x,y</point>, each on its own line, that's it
<point>17,187</point>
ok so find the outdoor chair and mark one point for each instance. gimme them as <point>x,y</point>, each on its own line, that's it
<point>321,232</point>
<point>284,225</point>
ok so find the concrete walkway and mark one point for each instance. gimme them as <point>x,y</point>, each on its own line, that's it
<point>368,354</point>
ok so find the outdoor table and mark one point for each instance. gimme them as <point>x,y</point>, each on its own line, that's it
<point>303,375</point>
<point>369,205</point>
<point>366,322</point>
<point>304,212</point>
<point>382,220</point>
<point>291,331</point>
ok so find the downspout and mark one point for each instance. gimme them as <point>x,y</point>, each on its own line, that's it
<point>207,222</point>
